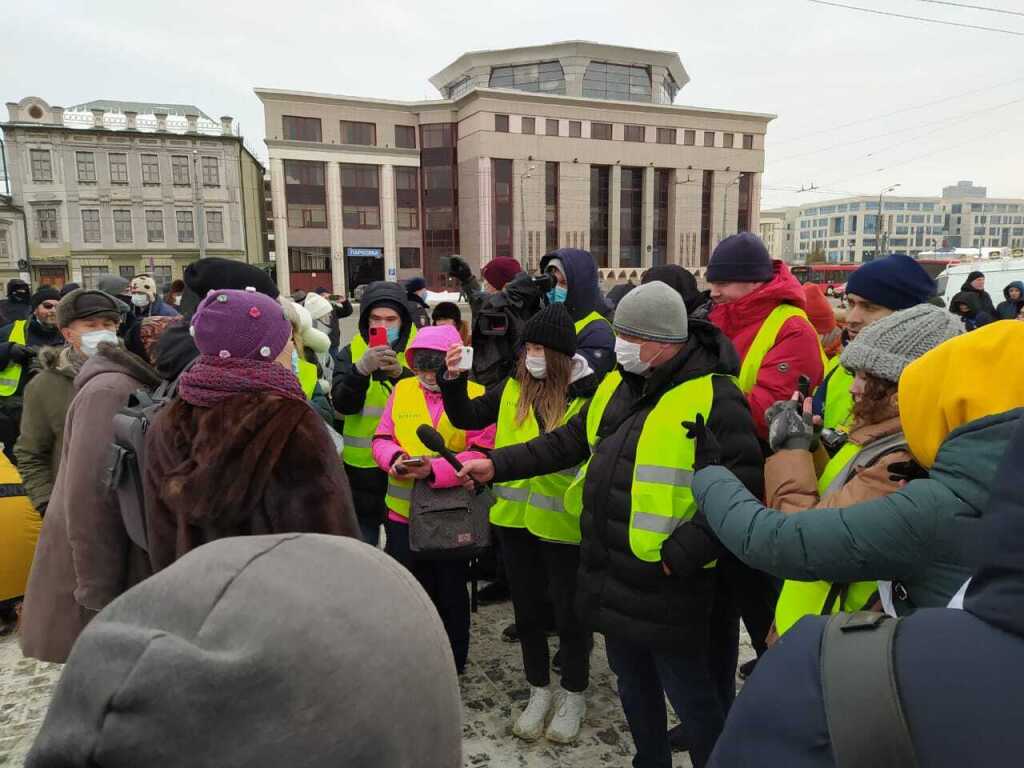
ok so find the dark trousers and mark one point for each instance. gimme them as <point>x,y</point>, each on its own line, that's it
<point>444,581</point>
<point>724,644</point>
<point>645,678</point>
<point>538,570</point>
<point>370,531</point>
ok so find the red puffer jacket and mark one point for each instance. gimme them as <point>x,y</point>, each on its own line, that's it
<point>796,351</point>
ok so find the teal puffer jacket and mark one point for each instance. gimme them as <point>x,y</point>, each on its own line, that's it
<point>924,537</point>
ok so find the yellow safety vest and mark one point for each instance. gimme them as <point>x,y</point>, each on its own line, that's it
<point>593,317</point>
<point>307,378</point>
<point>535,503</point>
<point>765,340</point>
<point>10,377</point>
<point>807,598</point>
<point>408,411</point>
<point>838,410</point>
<point>359,427</point>
<point>661,498</point>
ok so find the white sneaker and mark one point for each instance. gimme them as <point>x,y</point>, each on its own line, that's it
<point>565,725</point>
<point>530,724</point>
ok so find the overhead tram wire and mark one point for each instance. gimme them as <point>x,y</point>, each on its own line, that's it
<point>925,19</point>
<point>974,7</point>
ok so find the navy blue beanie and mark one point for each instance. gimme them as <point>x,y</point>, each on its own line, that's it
<point>895,282</point>
<point>414,284</point>
<point>740,258</point>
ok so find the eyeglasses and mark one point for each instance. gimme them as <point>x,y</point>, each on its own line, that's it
<point>49,305</point>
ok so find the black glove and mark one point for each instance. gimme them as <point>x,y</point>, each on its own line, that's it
<point>707,451</point>
<point>21,354</point>
<point>691,546</point>
<point>459,269</point>
<point>907,470</point>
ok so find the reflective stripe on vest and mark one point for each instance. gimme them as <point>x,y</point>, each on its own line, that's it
<point>408,411</point>
<point>838,410</point>
<point>660,498</point>
<point>358,428</point>
<point>10,376</point>
<point>593,317</point>
<point>307,378</point>
<point>535,503</point>
<point>807,598</point>
<point>765,340</point>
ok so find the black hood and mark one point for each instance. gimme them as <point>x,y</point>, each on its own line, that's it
<point>391,295</point>
<point>15,285</point>
<point>970,298</point>
<point>1015,284</point>
<point>175,350</point>
<point>680,280</point>
<point>996,593</point>
<point>583,296</point>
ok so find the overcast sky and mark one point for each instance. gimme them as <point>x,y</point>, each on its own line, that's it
<point>818,68</point>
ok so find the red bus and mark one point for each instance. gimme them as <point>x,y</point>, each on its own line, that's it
<point>832,277</point>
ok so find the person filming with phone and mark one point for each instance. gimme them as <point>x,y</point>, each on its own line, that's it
<point>366,373</point>
<point>398,451</point>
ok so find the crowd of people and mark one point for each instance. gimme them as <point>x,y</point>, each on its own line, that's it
<point>664,463</point>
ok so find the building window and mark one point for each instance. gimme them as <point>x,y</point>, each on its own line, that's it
<point>91,226</point>
<point>91,276</point>
<point>707,189</point>
<point>154,226</point>
<point>409,258</point>
<point>162,276</point>
<point>743,213</point>
<point>599,187</point>
<point>748,141</point>
<point>727,140</point>
<point>122,226</point>
<point>179,171</point>
<point>47,218</point>
<point>211,172</point>
<point>631,217</point>
<point>551,206</point>
<point>42,170</point>
<point>501,123</point>
<point>5,246</point>
<point>301,128</point>
<point>709,138</point>
<point>127,272</point>
<point>407,198</point>
<point>150,169</point>
<point>305,194</point>
<point>460,88</point>
<point>634,133</point>
<point>360,196</point>
<point>666,135</point>
<point>689,138</point>
<point>601,131</point>
<point>118,168</point>
<point>616,81</point>
<point>503,208</point>
<point>545,77</point>
<point>551,127</point>
<point>86,162</point>
<point>364,134</point>
<point>214,227</point>
<point>186,228</point>
<point>575,129</point>
<point>440,204</point>
<point>529,125</point>
<point>662,179</point>
<point>405,137</point>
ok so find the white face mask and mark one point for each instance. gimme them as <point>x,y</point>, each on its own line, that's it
<point>627,353</point>
<point>140,299</point>
<point>91,341</point>
<point>537,366</point>
<point>430,386</point>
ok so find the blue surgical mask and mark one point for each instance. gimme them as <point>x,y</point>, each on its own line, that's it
<point>393,335</point>
<point>557,295</point>
<point>295,362</point>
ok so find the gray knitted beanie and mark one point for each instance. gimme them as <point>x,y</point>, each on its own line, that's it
<point>887,346</point>
<point>653,311</point>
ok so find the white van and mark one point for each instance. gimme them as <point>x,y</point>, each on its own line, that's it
<point>998,274</point>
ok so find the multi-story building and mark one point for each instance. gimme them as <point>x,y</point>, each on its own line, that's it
<point>570,144</point>
<point>12,241</point>
<point>851,230</point>
<point>773,232</point>
<point>127,187</point>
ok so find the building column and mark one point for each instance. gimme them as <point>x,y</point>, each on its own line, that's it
<point>647,227</point>
<point>614,215</point>
<point>389,221</point>
<point>279,204</point>
<point>336,228</point>
<point>485,197</point>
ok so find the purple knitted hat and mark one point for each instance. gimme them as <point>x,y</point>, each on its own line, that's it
<point>242,325</point>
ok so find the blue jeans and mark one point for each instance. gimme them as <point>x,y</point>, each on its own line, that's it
<point>645,678</point>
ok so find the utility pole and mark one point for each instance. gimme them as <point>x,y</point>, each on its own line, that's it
<point>881,241</point>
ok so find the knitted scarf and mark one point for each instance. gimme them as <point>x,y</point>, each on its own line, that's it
<point>212,380</point>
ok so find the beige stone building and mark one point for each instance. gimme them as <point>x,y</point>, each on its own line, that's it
<point>12,241</point>
<point>572,144</point>
<point>113,187</point>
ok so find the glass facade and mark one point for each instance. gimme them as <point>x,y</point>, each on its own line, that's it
<point>743,209</point>
<point>364,134</point>
<point>662,181</point>
<point>501,170</point>
<point>631,216</point>
<point>305,194</point>
<point>301,128</point>
<point>601,131</point>
<point>407,198</point>
<point>545,77</point>
<point>440,196</point>
<point>599,187</point>
<point>618,82</point>
<point>707,188</point>
<point>550,206</point>
<point>360,196</point>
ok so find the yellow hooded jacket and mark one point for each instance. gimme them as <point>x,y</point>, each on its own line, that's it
<point>19,531</point>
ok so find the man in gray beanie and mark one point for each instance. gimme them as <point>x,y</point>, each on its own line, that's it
<point>634,498</point>
<point>266,652</point>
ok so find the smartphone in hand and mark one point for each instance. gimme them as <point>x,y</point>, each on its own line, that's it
<point>378,337</point>
<point>466,360</point>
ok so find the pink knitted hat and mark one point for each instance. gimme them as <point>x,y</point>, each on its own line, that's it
<point>243,325</point>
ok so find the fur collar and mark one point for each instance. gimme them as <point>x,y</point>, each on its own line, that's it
<point>113,358</point>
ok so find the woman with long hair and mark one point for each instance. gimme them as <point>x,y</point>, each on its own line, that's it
<point>539,539</point>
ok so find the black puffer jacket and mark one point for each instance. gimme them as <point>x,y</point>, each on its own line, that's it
<point>349,387</point>
<point>618,594</point>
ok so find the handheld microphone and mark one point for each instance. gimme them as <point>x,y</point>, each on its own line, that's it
<point>432,439</point>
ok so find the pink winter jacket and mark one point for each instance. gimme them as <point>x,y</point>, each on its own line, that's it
<point>386,448</point>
